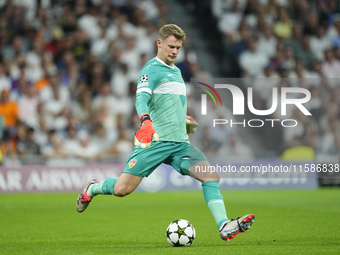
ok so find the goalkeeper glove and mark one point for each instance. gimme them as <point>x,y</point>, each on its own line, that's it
<point>145,133</point>
<point>191,125</point>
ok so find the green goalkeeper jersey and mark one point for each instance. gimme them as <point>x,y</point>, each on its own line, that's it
<point>166,95</point>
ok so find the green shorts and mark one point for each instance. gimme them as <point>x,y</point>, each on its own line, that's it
<point>181,156</point>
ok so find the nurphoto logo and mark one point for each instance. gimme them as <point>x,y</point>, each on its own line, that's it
<point>302,96</point>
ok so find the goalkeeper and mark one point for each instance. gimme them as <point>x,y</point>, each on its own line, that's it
<point>163,136</point>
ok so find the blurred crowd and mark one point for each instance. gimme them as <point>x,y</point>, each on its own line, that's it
<point>68,76</point>
<point>69,69</point>
<point>286,43</point>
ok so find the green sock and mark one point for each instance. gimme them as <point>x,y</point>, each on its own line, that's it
<point>104,187</point>
<point>214,200</point>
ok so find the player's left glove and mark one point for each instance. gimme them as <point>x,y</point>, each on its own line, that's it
<point>145,133</point>
<point>191,125</point>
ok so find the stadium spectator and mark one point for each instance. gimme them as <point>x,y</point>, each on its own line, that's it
<point>71,76</point>
<point>15,48</point>
<point>330,140</point>
<point>319,43</point>
<point>87,149</point>
<point>229,21</point>
<point>264,83</point>
<point>104,106</point>
<point>113,57</point>
<point>131,55</point>
<point>121,147</point>
<point>121,79</point>
<point>55,150</point>
<point>27,146</point>
<point>7,144</point>
<point>289,60</point>
<point>20,80</point>
<point>27,103</point>
<point>241,43</point>
<point>40,133</point>
<point>235,150</point>
<point>331,67</point>
<point>271,8</point>
<point>300,76</point>
<point>311,24</point>
<point>267,42</point>
<point>49,69</point>
<point>82,107</point>
<point>197,72</point>
<point>283,27</point>
<point>292,136</point>
<point>209,143</point>
<point>57,109</point>
<point>219,7</point>
<point>306,56</point>
<point>5,82</point>
<point>309,136</point>
<point>70,141</point>
<point>54,147</point>
<point>34,120</point>
<point>103,138</point>
<point>222,132</point>
<point>47,93</point>
<point>34,61</point>
<point>2,125</point>
<point>101,43</point>
<point>97,74</point>
<point>252,61</point>
<point>294,41</point>
<point>8,109</point>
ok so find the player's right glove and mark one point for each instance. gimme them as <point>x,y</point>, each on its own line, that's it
<point>191,125</point>
<point>145,133</point>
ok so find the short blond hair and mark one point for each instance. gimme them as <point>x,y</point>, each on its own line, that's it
<point>171,29</point>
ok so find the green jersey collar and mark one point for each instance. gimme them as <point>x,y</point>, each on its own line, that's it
<point>161,61</point>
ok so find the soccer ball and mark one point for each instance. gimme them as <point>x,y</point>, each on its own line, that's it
<point>180,233</point>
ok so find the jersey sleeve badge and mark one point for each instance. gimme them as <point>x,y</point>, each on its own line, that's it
<point>144,78</point>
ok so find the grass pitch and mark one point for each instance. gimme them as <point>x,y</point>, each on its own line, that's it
<point>287,222</point>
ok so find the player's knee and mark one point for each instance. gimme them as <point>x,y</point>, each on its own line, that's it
<point>210,177</point>
<point>215,177</point>
<point>122,191</point>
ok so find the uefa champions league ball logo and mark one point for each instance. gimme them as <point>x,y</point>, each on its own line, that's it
<point>144,78</point>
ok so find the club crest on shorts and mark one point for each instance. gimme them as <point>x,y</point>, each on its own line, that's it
<point>132,162</point>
